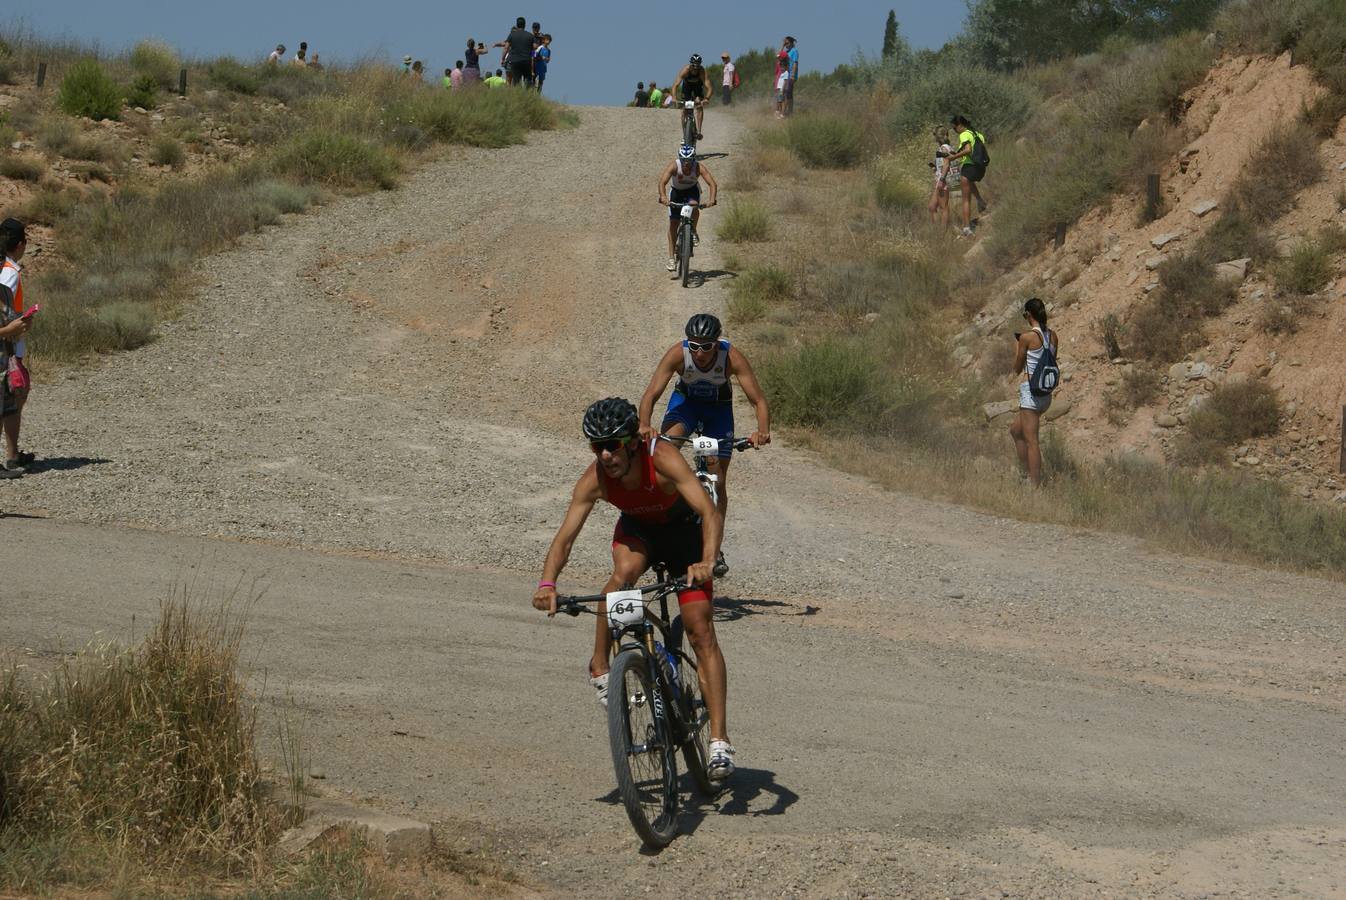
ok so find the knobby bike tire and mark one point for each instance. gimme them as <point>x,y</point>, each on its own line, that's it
<point>685,253</point>
<point>689,129</point>
<point>696,752</point>
<point>647,782</point>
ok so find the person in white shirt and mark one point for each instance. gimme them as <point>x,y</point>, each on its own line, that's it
<point>727,85</point>
<point>276,55</point>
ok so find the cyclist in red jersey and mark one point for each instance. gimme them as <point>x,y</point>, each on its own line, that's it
<point>667,517</point>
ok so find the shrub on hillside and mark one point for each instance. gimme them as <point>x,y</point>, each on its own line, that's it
<point>336,160</point>
<point>1232,413</point>
<point>22,168</point>
<point>1138,386</point>
<point>824,140</point>
<point>88,91</point>
<point>156,61</point>
<point>144,93</point>
<point>1307,270</point>
<point>1286,162</point>
<point>1189,281</point>
<point>1234,235</point>
<point>66,138</point>
<point>232,75</point>
<point>757,291</point>
<point>167,152</point>
<point>995,103</point>
<point>474,118</point>
<point>821,383</point>
<point>745,221</point>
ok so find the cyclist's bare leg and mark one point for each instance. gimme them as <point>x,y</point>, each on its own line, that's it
<point>627,567</point>
<point>700,117</point>
<point>696,619</point>
<point>720,466</point>
<point>696,216</point>
<point>673,236</point>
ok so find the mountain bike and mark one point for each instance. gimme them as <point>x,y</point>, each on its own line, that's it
<point>655,707</point>
<point>689,122</point>
<point>706,448</point>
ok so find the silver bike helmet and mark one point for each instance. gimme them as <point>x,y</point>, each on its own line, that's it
<point>686,151</point>
<point>610,418</point>
<point>696,59</point>
<point>703,326</point>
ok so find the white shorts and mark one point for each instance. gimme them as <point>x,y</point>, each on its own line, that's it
<point>1027,400</point>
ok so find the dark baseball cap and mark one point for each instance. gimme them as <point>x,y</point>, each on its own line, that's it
<point>14,230</point>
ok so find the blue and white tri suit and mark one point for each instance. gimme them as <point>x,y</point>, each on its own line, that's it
<point>703,399</point>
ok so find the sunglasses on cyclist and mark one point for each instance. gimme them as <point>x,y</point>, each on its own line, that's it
<point>700,348</point>
<point>612,445</point>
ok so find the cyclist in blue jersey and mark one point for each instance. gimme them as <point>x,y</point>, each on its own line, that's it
<point>702,400</point>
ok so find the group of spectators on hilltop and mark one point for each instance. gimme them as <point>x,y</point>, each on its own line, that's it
<point>524,60</point>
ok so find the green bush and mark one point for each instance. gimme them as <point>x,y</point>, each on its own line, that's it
<point>156,61</point>
<point>995,103</point>
<point>22,168</point>
<point>756,291</point>
<point>474,118</point>
<point>144,93</point>
<point>336,160</point>
<point>1232,413</point>
<point>167,152</point>
<point>232,75</point>
<point>824,140</point>
<point>1307,270</point>
<point>88,91</point>
<point>1234,235</point>
<point>824,383</point>
<point>1170,322</point>
<point>1286,162</point>
<point>745,221</point>
<point>894,192</point>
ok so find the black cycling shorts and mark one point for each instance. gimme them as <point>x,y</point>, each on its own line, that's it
<point>693,92</point>
<point>678,196</point>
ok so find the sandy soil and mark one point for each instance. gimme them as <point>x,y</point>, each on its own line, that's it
<point>371,414</point>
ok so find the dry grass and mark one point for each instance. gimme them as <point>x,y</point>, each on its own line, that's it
<point>145,751</point>
<point>1232,413</point>
<point>745,221</point>
<point>1137,387</point>
<point>22,168</point>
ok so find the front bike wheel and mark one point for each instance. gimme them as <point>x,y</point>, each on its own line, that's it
<point>696,721</point>
<point>685,253</point>
<point>642,750</point>
<point>689,129</point>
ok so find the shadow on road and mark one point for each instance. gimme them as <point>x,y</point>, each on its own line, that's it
<point>63,464</point>
<point>729,609</point>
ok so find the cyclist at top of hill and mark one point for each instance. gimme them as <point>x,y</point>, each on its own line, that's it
<point>702,400</point>
<point>693,83</point>
<point>666,517</point>
<point>682,180</point>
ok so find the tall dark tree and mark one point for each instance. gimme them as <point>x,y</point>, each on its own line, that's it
<point>890,35</point>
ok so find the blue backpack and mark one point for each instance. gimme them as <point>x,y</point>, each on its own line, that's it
<point>1047,375</point>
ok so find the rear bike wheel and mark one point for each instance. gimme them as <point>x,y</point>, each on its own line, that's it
<point>696,722</point>
<point>685,252</point>
<point>689,129</point>
<point>642,750</point>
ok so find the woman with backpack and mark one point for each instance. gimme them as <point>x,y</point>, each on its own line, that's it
<point>972,154</point>
<point>1035,358</point>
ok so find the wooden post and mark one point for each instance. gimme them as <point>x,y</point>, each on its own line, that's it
<point>1341,466</point>
<point>1060,235</point>
<point>1151,197</point>
<point>182,83</point>
<point>41,74</point>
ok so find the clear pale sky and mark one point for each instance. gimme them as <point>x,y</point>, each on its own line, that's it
<point>601,48</point>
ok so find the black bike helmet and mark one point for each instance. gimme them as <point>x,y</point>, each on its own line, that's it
<point>696,59</point>
<point>703,325</point>
<point>610,418</point>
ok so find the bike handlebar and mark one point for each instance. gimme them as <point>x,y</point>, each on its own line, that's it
<point>571,605</point>
<point>739,444</point>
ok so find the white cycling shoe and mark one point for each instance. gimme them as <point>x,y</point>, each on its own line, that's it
<point>672,264</point>
<point>721,763</point>
<point>600,684</point>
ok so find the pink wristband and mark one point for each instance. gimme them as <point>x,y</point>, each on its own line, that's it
<point>542,584</point>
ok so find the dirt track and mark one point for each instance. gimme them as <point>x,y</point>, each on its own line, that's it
<point>921,704</point>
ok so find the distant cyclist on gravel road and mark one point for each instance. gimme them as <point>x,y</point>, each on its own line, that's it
<point>666,516</point>
<point>693,83</point>
<point>681,182</point>
<point>702,400</point>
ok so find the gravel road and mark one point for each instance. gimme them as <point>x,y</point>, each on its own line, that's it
<point>373,412</point>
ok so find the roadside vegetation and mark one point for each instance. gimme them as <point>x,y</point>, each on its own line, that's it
<point>856,353</point>
<point>232,159</point>
<point>132,771</point>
